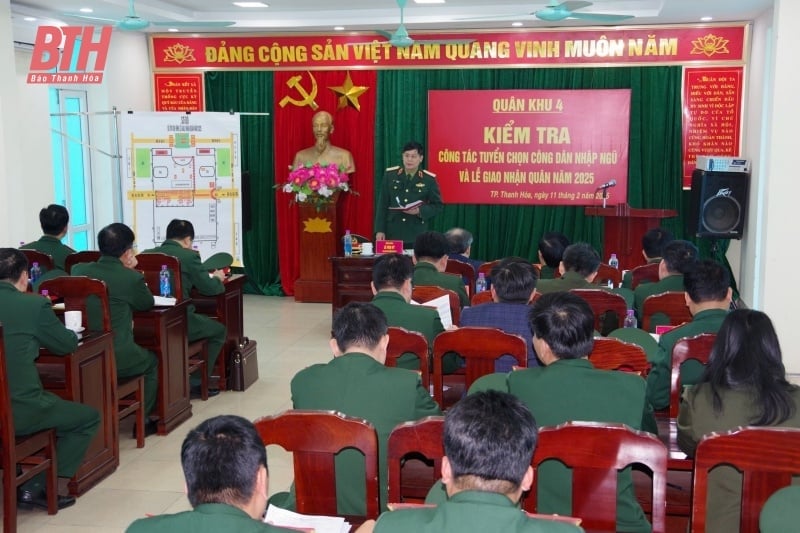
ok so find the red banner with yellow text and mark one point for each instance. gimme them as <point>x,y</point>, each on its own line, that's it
<point>544,47</point>
<point>549,147</point>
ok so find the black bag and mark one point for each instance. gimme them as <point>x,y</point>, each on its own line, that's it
<point>244,365</point>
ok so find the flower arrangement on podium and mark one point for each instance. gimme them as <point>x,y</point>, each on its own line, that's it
<point>316,183</point>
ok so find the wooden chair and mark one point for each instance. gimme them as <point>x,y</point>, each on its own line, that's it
<point>314,438</point>
<point>602,302</point>
<point>426,293</point>
<point>465,270</point>
<point>150,265</point>
<point>671,303</point>
<point>648,272</point>
<point>45,260</point>
<point>767,457</point>
<point>480,347</point>
<point>88,256</point>
<point>78,292</point>
<point>481,298</point>
<point>609,353</point>
<point>410,440</point>
<point>606,273</point>
<point>698,348</point>
<point>596,452</point>
<point>486,268</point>
<point>402,341</point>
<point>23,457</point>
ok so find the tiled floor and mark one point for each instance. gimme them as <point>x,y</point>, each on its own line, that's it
<point>290,337</point>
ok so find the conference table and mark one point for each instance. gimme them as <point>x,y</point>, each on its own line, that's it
<point>228,308</point>
<point>163,330</point>
<point>87,376</point>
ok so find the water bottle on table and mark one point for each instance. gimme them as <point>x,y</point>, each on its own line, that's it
<point>613,262</point>
<point>36,272</point>
<point>348,244</point>
<point>480,283</point>
<point>164,282</point>
<point>630,320</point>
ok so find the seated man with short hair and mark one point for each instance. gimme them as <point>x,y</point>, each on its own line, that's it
<point>513,287</point>
<point>551,252</point>
<point>225,466</point>
<point>489,440</point>
<point>460,241</point>
<point>391,285</point>
<point>357,383</point>
<point>54,220</point>
<point>653,241</point>
<point>430,256</point>
<point>677,258</point>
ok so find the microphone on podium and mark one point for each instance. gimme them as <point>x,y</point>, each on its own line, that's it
<point>612,183</point>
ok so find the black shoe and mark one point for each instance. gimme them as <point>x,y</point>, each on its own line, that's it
<point>28,500</point>
<point>150,428</point>
<point>195,392</point>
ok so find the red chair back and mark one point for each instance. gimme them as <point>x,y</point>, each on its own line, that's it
<point>767,459</point>
<point>698,348</point>
<point>88,256</point>
<point>426,293</point>
<point>314,438</point>
<point>481,298</point>
<point>465,270</point>
<point>420,437</point>
<point>602,301</point>
<point>480,347</point>
<point>671,303</point>
<point>609,353</point>
<point>648,272</point>
<point>45,260</point>
<point>606,273</point>
<point>77,292</point>
<point>150,265</point>
<point>596,452</point>
<point>402,341</point>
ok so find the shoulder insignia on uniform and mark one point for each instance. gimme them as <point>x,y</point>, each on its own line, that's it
<point>429,173</point>
<point>392,168</point>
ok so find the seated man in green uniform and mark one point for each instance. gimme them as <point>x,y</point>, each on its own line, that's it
<point>551,252</point>
<point>180,236</point>
<point>391,285</point>
<point>568,388</point>
<point>225,466</point>
<point>30,323</point>
<point>430,256</point>
<point>401,186</point>
<point>54,220</point>
<point>677,257</point>
<point>653,241</point>
<point>357,383</point>
<point>127,292</point>
<point>489,440</point>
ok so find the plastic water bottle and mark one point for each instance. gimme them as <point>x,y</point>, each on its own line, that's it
<point>164,282</point>
<point>36,272</point>
<point>46,293</point>
<point>480,283</point>
<point>630,320</point>
<point>613,262</point>
<point>348,244</point>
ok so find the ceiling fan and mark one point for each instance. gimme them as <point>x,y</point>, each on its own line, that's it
<point>133,22</point>
<point>555,12</point>
<point>401,39</point>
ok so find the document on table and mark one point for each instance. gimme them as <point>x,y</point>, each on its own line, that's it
<point>162,301</point>
<point>316,524</point>
<point>442,305</point>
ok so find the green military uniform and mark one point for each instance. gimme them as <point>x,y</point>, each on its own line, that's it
<point>205,518</point>
<point>396,185</point>
<point>673,283</point>
<point>658,380</point>
<point>127,292</point>
<point>193,274</point>
<point>627,277</point>
<point>28,323</point>
<point>400,313</point>
<point>781,512</point>
<point>546,272</point>
<point>572,389</point>
<point>572,280</point>
<point>358,385</point>
<point>697,418</point>
<point>469,511</point>
<point>52,246</point>
<point>426,274</point>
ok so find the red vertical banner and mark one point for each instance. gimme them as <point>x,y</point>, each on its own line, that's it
<point>298,96</point>
<point>712,114</point>
<point>179,92</point>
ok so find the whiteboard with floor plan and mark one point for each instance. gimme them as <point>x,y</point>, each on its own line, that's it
<point>187,166</point>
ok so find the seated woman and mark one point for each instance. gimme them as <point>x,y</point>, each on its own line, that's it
<point>744,384</point>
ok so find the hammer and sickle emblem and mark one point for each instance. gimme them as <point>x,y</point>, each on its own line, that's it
<point>308,98</point>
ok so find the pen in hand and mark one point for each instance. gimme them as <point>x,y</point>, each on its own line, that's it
<point>398,201</point>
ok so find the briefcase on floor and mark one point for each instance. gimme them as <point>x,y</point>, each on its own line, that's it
<point>244,365</point>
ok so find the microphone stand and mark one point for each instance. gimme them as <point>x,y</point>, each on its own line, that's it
<point>605,196</point>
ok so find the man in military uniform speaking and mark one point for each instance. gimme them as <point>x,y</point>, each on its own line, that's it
<point>398,214</point>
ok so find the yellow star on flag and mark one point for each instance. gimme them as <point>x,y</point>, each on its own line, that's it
<point>349,93</point>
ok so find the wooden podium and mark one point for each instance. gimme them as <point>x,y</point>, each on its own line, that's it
<point>319,241</point>
<point>624,228</point>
